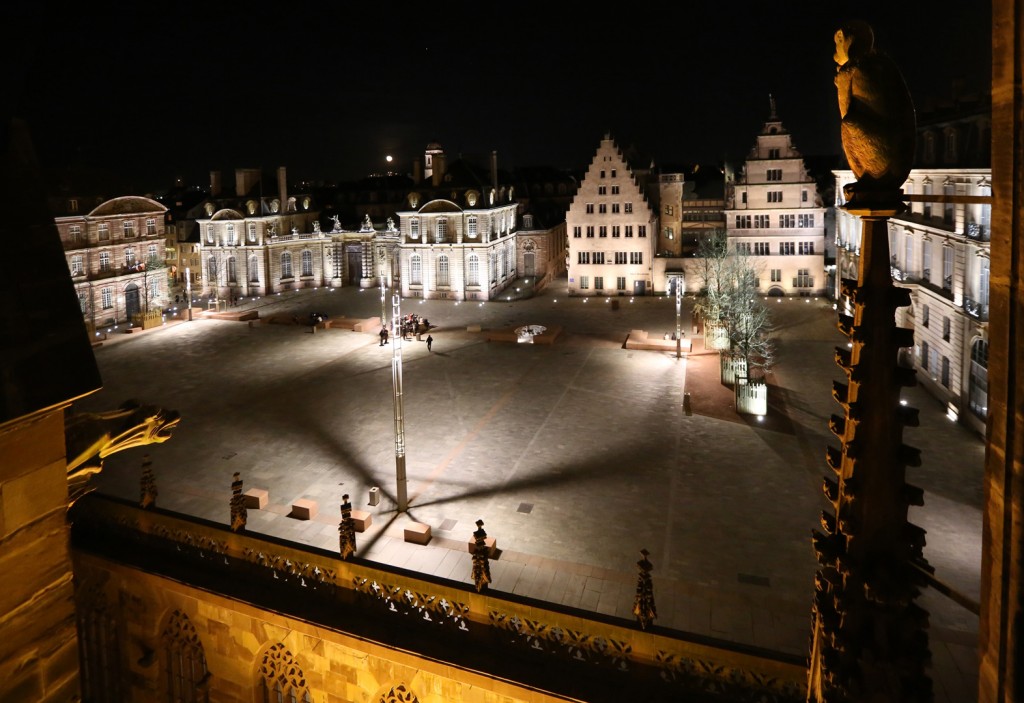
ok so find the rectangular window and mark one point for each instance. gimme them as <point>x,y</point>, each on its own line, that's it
<point>775,196</point>
<point>924,355</point>
<point>414,228</point>
<point>76,265</point>
<point>602,173</point>
<point>616,231</point>
<point>602,190</point>
<point>925,315</point>
<point>805,220</point>
<point>471,227</point>
<point>598,282</point>
<point>577,232</point>
<point>636,258</point>
<point>743,197</point>
<point>945,328</point>
<point>620,257</point>
<point>627,208</point>
<point>803,196</point>
<point>773,153</point>
<point>598,257</point>
<point>590,208</point>
<point>742,247</point>
<point>669,210</point>
<point>81,301</point>
<point>742,221</point>
<point>804,279</point>
<point>774,174</point>
<point>615,190</point>
<point>761,221</point>
<point>583,257</point>
<point>641,230</point>
<point>150,226</point>
<point>945,372</point>
<point>629,230</point>
<point>106,299</point>
<point>761,248</point>
<point>787,221</point>
<point>602,209</point>
<point>128,228</point>
<point>104,261</point>
<point>806,247</point>
<point>947,267</point>
<point>602,231</point>
<point>615,208</point>
<point>590,231</point>
<point>103,231</point>
<point>613,173</point>
<point>584,282</point>
<point>776,275</point>
<point>442,230</point>
<point>787,248</point>
<point>75,233</point>
<point>620,283</point>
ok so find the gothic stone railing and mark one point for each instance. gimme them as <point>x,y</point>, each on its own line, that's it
<point>579,645</point>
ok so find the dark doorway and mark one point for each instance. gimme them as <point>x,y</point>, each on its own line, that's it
<point>131,301</point>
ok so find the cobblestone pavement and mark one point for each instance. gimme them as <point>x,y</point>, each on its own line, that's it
<point>576,455</point>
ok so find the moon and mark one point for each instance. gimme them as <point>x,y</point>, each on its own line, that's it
<point>388,158</point>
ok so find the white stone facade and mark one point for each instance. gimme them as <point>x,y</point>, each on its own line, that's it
<point>612,230</point>
<point>941,252</point>
<point>774,213</point>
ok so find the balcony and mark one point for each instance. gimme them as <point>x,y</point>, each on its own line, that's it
<point>978,232</point>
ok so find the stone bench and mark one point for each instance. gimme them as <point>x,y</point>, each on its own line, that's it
<point>361,520</point>
<point>304,509</point>
<point>472,328</point>
<point>256,498</point>
<point>417,533</point>
<point>490,542</point>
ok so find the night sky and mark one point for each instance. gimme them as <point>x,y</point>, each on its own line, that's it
<point>149,94</point>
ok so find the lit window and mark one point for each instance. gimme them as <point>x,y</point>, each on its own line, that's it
<point>286,265</point>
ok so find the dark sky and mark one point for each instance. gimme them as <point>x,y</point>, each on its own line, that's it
<point>153,93</point>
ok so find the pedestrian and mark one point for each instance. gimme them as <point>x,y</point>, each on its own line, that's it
<point>430,340</point>
<point>383,336</point>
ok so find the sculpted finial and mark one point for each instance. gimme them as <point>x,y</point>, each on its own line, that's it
<point>878,122</point>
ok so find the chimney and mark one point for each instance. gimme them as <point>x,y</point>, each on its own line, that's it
<point>282,187</point>
<point>245,179</point>
<point>417,170</point>
<point>494,170</point>
<point>214,184</point>
<point>439,167</point>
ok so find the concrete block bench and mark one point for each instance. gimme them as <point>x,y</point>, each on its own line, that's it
<point>304,509</point>
<point>492,545</point>
<point>417,533</point>
<point>256,498</point>
<point>361,520</point>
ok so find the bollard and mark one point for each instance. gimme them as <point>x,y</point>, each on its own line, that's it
<point>374,495</point>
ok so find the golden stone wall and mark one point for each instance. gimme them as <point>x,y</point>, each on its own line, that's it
<point>38,649</point>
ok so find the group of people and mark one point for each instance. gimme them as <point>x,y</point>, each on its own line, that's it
<point>411,324</point>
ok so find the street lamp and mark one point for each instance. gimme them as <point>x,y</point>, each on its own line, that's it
<point>396,385</point>
<point>677,279</point>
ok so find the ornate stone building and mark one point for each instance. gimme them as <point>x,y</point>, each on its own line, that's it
<point>773,213</point>
<point>115,251</point>
<point>612,229</point>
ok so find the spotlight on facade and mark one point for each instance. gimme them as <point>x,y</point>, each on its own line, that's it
<point>903,402</point>
<point>760,418</point>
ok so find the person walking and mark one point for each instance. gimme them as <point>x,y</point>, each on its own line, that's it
<point>383,336</point>
<point>430,340</point>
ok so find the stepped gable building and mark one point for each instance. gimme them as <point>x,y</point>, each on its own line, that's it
<point>940,249</point>
<point>773,213</point>
<point>115,250</point>
<point>612,227</point>
<point>456,236</point>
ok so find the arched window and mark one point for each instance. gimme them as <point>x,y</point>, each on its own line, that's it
<point>211,269</point>
<point>184,660</point>
<point>442,271</point>
<point>286,265</point>
<point>978,390</point>
<point>232,237</point>
<point>254,269</point>
<point>281,678</point>
<point>473,276</point>
<point>99,648</point>
<point>416,269</point>
<point>307,263</point>
<point>232,270</point>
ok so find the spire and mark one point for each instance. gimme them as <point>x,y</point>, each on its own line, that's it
<point>771,104</point>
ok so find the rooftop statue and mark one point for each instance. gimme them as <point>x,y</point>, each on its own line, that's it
<point>878,122</point>
<point>91,437</point>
